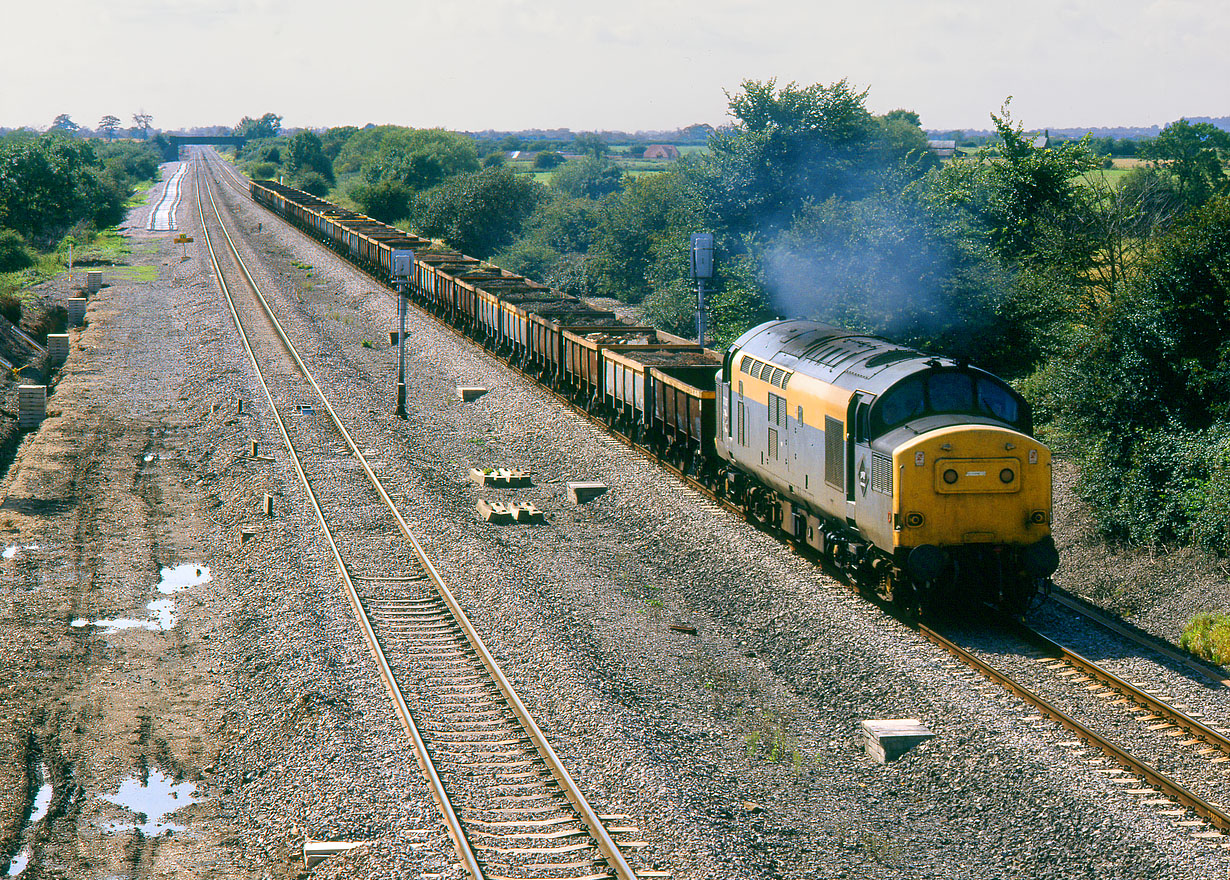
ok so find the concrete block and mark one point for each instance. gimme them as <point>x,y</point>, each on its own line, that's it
<point>470,392</point>
<point>581,493</point>
<point>93,281</point>
<point>31,405</point>
<point>526,512</point>
<point>316,851</point>
<point>493,511</point>
<point>887,739</point>
<point>76,310</point>
<point>506,478</point>
<point>57,347</point>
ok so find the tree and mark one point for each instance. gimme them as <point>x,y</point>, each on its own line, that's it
<point>335,138</point>
<point>13,253</point>
<point>109,124</point>
<point>1196,153</point>
<point>1019,195</point>
<point>903,140</point>
<point>909,117</point>
<point>588,178</point>
<point>304,155</point>
<point>143,121</point>
<point>480,212</point>
<point>590,143</point>
<point>637,230</point>
<point>545,160</point>
<point>64,123</point>
<point>50,183</point>
<point>1146,391</point>
<point>420,158</point>
<point>788,147</point>
<point>387,200</point>
<point>1113,227</point>
<point>267,126</point>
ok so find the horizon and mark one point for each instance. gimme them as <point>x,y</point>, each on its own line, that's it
<point>517,65</point>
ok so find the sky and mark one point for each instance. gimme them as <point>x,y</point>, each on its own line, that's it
<point>629,65</point>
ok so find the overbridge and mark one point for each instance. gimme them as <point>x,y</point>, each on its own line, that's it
<point>175,141</point>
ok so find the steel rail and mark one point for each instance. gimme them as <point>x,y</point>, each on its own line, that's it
<point>1127,689</point>
<point>606,844</point>
<point>453,824</point>
<point>1125,759</point>
<point>1155,777</point>
<point>1085,609</point>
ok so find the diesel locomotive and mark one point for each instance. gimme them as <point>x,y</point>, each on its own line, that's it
<point>916,474</point>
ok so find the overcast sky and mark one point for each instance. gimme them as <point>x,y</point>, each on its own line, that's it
<point>628,65</point>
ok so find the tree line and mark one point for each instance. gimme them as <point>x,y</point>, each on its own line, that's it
<point>1105,303</point>
<point>51,184</point>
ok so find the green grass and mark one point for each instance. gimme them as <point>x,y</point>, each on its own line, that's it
<point>140,274</point>
<point>107,249</point>
<point>138,198</point>
<point>1208,637</point>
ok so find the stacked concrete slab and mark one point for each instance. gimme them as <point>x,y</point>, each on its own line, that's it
<point>57,347</point>
<point>887,739</point>
<point>76,310</point>
<point>31,405</point>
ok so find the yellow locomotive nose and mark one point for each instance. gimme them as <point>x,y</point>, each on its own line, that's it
<point>972,484</point>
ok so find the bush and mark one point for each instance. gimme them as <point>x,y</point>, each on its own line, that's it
<point>262,170</point>
<point>1208,637</point>
<point>478,213</point>
<point>10,308</point>
<point>386,201</point>
<point>312,182</point>
<point>548,159</point>
<point>13,253</point>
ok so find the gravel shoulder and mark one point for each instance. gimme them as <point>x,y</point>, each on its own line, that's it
<point>733,749</point>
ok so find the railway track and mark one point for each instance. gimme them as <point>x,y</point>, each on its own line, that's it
<point>1153,781</point>
<point>1095,692</point>
<point>511,808</point>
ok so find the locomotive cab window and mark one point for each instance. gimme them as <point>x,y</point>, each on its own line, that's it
<point>941,392</point>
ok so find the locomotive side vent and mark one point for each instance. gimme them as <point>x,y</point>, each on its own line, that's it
<point>881,473</point>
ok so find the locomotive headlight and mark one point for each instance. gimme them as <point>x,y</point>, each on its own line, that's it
<point>1038,517</point>
<point>1007,475</point>
<point>950,476</point>
<point>914,519</point>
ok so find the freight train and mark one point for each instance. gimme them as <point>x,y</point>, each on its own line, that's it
<point>918,475</point>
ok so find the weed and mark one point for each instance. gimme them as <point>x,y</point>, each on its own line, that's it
<point>367,343</point>
<point>1208,636</point>
<point>655,603</point>
<point>775,743</point>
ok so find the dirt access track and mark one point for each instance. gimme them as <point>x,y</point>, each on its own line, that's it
<point>128,676</point>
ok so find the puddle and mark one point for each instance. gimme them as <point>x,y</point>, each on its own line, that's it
<point>42,800</point>
<point>162,614</point>
<point>151,802</point>
<point>11,551</point>
<point>19,862</point>
<point>38,810</point>
<point>181,577</point>
<point>161,618</point>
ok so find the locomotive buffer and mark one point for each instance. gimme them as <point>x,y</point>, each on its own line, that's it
<point>401,268</point>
